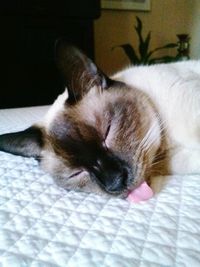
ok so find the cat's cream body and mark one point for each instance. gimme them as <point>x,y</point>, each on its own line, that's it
<point>175,90</point>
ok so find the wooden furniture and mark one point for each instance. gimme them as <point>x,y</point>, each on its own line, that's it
<point>28,31</point>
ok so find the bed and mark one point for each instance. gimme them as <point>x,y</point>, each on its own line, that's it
<point>42,225</point>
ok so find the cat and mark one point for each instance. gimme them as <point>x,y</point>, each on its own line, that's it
<point>109,134</point>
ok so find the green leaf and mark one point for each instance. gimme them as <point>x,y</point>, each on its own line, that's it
<point>130,52</point>
<point>138,29</point>
<point>144,47</point>
<point>170,45</point>
<point>164,59</point>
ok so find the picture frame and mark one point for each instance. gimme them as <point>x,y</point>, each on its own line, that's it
<point>142,5</point>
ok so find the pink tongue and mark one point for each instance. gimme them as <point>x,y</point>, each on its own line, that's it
<point>141,193</point>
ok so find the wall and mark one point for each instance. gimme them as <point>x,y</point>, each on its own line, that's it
<point>165,20</point>
<point>194,29</point>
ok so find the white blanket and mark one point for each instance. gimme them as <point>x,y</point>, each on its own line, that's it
<point>42,225</point>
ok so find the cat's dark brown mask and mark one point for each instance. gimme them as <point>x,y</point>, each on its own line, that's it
<point>99,135</point>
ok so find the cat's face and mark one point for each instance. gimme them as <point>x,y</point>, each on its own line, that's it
<point>99,135</point>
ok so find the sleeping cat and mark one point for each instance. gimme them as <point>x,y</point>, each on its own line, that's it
<point>108,135</point>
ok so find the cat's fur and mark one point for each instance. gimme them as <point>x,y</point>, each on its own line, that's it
<point>110,134</point>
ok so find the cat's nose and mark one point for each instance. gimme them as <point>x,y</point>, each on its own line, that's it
<point>118,182</point>
<point>112,174</point>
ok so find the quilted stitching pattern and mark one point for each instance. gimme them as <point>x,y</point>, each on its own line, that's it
<point>42,225</point>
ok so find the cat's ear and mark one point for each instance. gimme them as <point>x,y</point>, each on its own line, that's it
<point>27,143</point>
<point>79,72</point>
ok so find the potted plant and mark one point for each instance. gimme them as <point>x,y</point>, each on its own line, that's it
<point>145,55</point>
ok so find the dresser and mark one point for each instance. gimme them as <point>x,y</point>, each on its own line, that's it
<point>28,31</point>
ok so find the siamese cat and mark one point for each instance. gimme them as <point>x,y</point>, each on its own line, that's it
<point>108,135</point>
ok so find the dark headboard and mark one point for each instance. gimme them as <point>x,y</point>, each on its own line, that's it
<point>28,30</point>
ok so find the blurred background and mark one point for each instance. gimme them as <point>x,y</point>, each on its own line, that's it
<point>29,30</point>
<point>165,20</point>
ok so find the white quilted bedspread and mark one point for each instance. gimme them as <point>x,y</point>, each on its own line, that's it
<point>42,225</point>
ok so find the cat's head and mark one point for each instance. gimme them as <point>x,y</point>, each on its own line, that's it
<point>99,135</point>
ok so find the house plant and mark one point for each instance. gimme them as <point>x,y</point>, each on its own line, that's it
<point>145,55</point>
